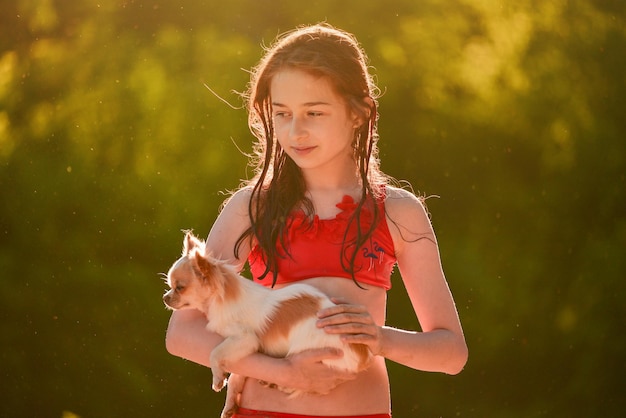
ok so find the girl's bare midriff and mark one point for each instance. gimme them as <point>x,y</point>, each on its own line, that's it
<point>368,393</point>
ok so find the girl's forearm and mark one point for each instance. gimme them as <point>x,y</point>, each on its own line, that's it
<point>439,350</point>
<point>262,367</point>
<point>187,337</point>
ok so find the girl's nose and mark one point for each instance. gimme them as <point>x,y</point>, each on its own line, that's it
<point>297,129</point>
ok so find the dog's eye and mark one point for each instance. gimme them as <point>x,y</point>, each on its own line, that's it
<point>180,288</point>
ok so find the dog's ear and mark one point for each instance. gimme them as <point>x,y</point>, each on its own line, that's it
<point>190,242</point>
<point>210,271</point>
<point>205,266</point>
<point>214,275</point>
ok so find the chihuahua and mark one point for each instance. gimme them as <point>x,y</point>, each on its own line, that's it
<point>252,318</point>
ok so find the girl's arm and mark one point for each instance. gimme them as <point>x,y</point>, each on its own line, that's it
<point>187,336</point>
<point>440,346</point>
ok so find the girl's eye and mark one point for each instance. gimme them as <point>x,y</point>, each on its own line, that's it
<point>280,114</point>
<point>315,114</point>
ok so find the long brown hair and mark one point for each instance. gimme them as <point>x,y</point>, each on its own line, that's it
<point>278,186</point>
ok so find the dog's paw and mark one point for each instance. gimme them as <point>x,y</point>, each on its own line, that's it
<point>219,382</point>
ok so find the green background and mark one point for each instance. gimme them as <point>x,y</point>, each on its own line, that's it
<point>513,113</point>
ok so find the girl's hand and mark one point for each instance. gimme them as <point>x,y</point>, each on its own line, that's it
<point>354,323</point>
<point>308,373</point>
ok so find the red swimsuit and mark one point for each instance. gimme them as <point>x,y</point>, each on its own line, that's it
<point>249,413</point>
<point>315,249</point>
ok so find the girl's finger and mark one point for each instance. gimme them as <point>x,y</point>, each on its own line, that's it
<point>338,309</point>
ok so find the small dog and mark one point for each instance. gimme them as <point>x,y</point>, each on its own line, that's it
<point>251,317</point>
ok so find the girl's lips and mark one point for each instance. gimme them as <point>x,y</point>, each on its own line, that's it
<point>302,150</point>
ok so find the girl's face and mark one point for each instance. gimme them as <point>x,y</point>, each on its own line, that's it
<point>312,122</point>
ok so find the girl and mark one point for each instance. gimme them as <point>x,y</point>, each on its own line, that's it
<point>320,211</point>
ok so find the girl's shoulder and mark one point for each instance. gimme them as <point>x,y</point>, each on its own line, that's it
<point>406,211</point>
<point>239,198</point>
<point>398,199</point>
<point>236,206</point>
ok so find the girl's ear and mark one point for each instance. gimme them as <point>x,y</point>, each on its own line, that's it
<point>359,119</point>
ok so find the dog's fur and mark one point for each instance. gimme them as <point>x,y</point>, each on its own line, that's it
<point>251,317</point>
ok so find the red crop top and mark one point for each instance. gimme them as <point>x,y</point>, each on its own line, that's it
<point>315,249</point>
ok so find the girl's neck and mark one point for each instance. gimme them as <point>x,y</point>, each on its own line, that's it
<point>343,180</point>
<point>333,192</point>
<point>326,191</point>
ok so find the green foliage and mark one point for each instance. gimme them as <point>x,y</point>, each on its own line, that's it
<point>110,144</point>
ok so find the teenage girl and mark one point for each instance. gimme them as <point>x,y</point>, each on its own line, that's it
<point>320,211</point>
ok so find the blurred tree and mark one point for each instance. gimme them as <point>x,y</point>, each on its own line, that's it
<point>110,145</point>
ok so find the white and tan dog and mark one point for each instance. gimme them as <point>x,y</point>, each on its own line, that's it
<point>251,317</point>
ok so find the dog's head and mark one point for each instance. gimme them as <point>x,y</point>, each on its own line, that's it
<point>194,279</point>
